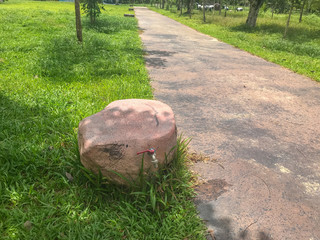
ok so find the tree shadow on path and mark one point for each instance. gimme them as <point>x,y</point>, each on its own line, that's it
<point>223,226</point>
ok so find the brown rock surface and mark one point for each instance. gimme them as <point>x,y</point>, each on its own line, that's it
<point>110,140</point>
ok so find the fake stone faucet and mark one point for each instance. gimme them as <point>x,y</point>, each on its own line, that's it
<point>111,141</point>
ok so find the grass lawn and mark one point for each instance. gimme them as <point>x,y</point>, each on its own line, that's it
<point>300,52</point>
<point>48,83</point>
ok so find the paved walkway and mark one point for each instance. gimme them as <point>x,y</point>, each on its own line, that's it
<point>260,121</point>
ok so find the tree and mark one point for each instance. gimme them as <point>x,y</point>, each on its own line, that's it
<point>204,10</point>
<point>92,9</point>
<point>188,4</point>
<point>78,20</point>
<point>313,6</point>
<point>255,6</point>
<point>276,6</point>
<point>178,5</point>
<point>162,3</point>
<point>288,21</point>
<point>190,8</point>
<point>292,4</point>
<point>301,10</point>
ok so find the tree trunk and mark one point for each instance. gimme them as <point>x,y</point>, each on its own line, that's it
<point>78,20</point>
<point>301,10</point>
<point>219,7</point>
<point>181,5</point>
<point>191,4</point>
<point>204,10</point>
<point>286,29</point>
<point>255,6</point>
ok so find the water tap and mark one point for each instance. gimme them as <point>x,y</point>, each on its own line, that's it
<point>152,153</point>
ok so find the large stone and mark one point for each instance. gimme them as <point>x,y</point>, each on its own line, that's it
<point>110,140</point>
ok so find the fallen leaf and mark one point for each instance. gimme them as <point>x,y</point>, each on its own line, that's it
<point>211,232</point>
<point>27,225</point>
<point>69,176</point>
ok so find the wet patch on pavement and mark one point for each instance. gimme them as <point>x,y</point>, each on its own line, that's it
<point>211,190</point>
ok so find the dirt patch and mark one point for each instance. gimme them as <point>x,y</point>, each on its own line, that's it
<point>211,190</point>
<point>200,157</point>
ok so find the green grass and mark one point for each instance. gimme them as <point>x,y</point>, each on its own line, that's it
<point>48,83</point>
<point>300,52</point>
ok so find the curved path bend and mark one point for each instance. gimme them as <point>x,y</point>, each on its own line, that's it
<point>259,121</point>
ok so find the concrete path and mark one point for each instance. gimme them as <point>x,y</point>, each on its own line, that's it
<point>259,121</point>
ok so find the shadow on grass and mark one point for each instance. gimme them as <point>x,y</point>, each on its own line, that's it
<point>109,49</point>
<point>34,186</point>
<point>234,14</point>
<point>63,59</point>
<point>296,34</point>
<point>215,13</point>
<point>29,133</point>
<point>110,24</point>
<point>296,42</point>
<point>33,161</point>
<point>32,166</point>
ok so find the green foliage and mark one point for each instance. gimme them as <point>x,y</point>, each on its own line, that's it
<point>277,6</point>
<point>314,6</point>
<point>92,8</point>
<point>300,52</point>
<point>48,83</point>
